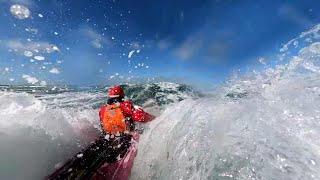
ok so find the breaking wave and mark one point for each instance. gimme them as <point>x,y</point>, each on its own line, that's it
<point>40,127</point>
<point>261,126</point>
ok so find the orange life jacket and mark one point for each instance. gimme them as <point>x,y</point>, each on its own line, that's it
<point>113,120</point>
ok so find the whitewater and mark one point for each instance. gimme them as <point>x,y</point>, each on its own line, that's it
<point>41,127</point>
<point>263,125</point>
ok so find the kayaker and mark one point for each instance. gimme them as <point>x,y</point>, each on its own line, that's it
<point>100,159</point>
<point>118,119</point>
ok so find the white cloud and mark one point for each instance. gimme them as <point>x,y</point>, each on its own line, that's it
<point>135,45</point>
<point>291,13</point>
<point>96,44</point>
<point>30,79</point>
<point>163,44</point>
<point>96,39</point>
<point>21,47</point>
<point>189,48</point>
<point>54,71</point>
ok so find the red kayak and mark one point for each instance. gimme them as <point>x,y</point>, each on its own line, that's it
<point>92,162</point>
<point>120,170</point>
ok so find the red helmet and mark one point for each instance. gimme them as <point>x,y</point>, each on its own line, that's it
<point>115,91</point>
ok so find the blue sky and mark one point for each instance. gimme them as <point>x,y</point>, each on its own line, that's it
<point>199,42</point>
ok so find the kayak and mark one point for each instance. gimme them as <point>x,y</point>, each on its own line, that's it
<point>94,162</point>
<point>120,170</point>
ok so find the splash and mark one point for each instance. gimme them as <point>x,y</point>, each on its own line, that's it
<point>41,127</point>
<point>264,126</point>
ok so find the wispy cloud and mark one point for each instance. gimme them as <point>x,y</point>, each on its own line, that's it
<point>96,40</point>
<point>163,44</point>
<point>218,51</point>
<point>37,47</point>
<point>54,71</point>
<point>135,45</point>
<point>189,47</point>
<point>291,13</point>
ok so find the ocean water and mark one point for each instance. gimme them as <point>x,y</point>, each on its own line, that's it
<point>263,125</point>
<point>40,127</point>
